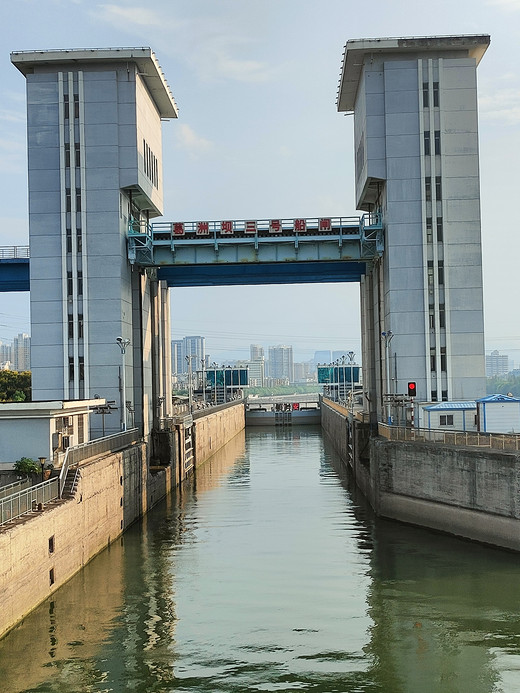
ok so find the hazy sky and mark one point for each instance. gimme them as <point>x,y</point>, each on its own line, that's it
<point>258,136</point>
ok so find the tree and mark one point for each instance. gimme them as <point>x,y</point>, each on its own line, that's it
<point>15,387</point>
<point>27,466</point>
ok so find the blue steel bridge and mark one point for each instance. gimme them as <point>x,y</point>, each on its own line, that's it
<point>230,252</point>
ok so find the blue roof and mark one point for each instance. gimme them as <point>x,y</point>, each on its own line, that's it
<point>498,398</point>
<point>449,406</point>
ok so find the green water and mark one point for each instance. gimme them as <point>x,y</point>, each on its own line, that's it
<point>269,573</point>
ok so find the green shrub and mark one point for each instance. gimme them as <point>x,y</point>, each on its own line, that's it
<point>27,466</point>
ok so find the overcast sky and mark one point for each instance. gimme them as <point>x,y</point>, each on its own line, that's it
<point>258,136</point>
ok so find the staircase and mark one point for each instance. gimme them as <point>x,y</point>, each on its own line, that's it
<point>71,483</point>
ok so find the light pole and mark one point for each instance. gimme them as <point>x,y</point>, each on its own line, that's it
<point>42,463</point>
<point>351,355</point>
<point>214,367</point>
<point>203,364</point>
<point>190,383</point>
<point>123,343</point>
<point>387,336</point>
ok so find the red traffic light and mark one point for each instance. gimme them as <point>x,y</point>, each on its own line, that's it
<point>412,389</point>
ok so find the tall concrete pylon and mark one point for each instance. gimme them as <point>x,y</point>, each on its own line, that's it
<point>95,165</point>
<point>414,102</point>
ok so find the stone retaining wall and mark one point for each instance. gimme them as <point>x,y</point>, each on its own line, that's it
<point>41,551</point>
<point>465,491</point>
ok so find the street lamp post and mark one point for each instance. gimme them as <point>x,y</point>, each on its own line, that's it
<point>190,383</point>
<point>123,343</point>
<point>387,336</point>
<point>203,363</point>
<point>351,355</point>
<point>42,463</point>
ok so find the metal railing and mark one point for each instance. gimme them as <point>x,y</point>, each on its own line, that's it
<point>496,441</point>
<point>10,252</point>
<point>16,486</point>
<point>93,448</point>
<point>28,500</point>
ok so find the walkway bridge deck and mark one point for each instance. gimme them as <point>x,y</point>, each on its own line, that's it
<point>14,268</point>
<point>266,251</point>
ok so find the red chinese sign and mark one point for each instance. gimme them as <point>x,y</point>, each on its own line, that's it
<point>325,224</point>
<point>226,228</point>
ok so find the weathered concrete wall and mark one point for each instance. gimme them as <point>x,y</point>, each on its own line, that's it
<point>41,552</point>
<point>469,492</point>
<point>334,422</point>
<point>214,430</point>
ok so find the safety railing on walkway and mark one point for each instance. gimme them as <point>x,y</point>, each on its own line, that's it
<point>16,486</point>
<point>93,448</point>
<point>29,500</point>
<point>33,498</point>
<point>496,441</point>
<point>12,252</point>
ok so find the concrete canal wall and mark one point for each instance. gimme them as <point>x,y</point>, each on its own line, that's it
<point>41,551</point>
<point>469,492</point>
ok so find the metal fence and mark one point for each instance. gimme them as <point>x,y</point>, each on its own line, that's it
<point>496,441</point>
<point>14,251</point>
<point>112,443</point>
<point>23,501</point>
<point>16,486</point>
<point>93,448</point>
<point>29,500</point>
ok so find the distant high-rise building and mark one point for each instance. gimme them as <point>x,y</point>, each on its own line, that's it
<point>257,352</point>
<point>5,353</point>
<point>194,346</point>
<point>303,372</point>
<point>257,366</point>
<point>496,364</point>
<point>21,353</point>
<point>177,357</point>
<point>281,363</point>
<point>322,357</point>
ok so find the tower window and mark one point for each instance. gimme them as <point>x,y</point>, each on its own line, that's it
<point>439,229</point>
<point>440,272</point>
<point>429,229</point>
<point>427,148</point>
<point>428,189</point>
<point>438,188</point>
<point>436,94</point>
<point>442,315</point>
<point>425,95</point>
<point>437,141</point>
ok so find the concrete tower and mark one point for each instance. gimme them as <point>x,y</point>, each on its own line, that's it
<point>416,153</point>
<point>95,168</point>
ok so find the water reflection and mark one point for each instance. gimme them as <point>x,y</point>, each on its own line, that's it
<point>268,572</point>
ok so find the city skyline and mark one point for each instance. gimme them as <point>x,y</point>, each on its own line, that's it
<point>250,159</point>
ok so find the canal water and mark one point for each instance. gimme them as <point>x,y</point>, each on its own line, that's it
<point>269,573</point>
